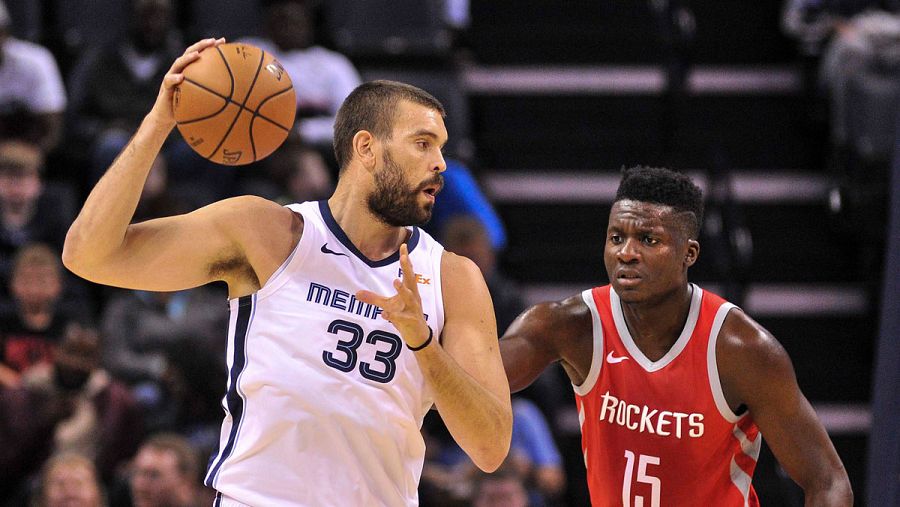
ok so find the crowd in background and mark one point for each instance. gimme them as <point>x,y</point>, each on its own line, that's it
<point>113,397</point>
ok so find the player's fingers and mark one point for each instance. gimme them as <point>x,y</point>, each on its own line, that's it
<point>404,293</point>
<point>201,45</point>
<point>367,296</point>
<point>402,290</point>
<point>172,80</point>
<point>409,273</point>
<point>183,61</point>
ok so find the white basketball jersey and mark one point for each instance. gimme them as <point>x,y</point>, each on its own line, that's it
<point>325,402</point>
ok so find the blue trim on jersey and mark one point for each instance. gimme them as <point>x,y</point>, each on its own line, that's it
<point>233,398</point>
<point>342,237</point>
<point>218,501</point>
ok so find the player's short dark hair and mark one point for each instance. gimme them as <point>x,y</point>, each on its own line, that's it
<point>663,186</point>
<point>372,106</point>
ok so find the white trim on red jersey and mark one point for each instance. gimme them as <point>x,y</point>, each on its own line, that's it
<point>597,354</point>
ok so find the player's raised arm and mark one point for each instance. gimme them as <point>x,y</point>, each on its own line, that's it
<point>175,252</point>
<point>757,372</point>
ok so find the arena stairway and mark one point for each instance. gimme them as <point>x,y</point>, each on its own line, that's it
<point>563,94</point>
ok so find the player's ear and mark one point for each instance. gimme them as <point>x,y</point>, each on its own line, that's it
<point>364,149</point>
<point>693,252</point>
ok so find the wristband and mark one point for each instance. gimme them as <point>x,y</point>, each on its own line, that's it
<point>420,347</point>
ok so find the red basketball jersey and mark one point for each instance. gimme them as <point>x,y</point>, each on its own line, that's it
<point>659,433</point>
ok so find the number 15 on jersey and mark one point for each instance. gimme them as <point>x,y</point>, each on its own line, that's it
<point>643,477</point>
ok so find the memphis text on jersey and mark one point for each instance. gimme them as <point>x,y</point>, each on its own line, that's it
<point>342,300</point>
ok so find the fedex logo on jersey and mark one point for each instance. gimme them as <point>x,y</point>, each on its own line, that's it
<point>419,278</point>
<point>644,419</point>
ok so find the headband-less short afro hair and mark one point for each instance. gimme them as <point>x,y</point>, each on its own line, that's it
<point>663,186</point>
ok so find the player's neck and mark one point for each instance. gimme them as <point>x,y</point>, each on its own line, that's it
<point>375,239</point>
<point>656,325</point>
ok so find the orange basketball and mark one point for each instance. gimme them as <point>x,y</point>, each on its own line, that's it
<point>236,104</point>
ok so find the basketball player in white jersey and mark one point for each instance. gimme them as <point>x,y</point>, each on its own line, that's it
<point>348,322</point>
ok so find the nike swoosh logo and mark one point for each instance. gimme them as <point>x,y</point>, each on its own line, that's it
<point>613,360</point>
<point>326,250</point>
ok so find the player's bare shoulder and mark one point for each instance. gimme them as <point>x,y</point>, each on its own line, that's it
<point>456,267</point>
<point>462,283</point>
<point>566,320</point>
<point>742,338</point>
<point>748,356</point>
<point>564,329</point>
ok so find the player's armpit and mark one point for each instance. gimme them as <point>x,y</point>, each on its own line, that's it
<point>757,372</point>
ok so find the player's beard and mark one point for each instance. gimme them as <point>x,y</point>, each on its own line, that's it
<point>394,201</point>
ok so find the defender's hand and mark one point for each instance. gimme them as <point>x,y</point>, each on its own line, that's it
<point>162,111</point>
<point>404,309</point>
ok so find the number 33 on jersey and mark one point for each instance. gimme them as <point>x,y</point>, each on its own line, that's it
<point>317,376</point>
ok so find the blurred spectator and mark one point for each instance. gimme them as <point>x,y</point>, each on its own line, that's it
<point>466,235</point>
<point>32,95</point>
<point>293,173</point>
<point>812,22</point>
<point>446,472</point>
<point>456,13</point>
<point>322,78</point>
<point>112,87</point>
<point>461,195</point>
<point>156,198</point>
<point>30,211</point>
<point>503,488</point>
<point>166,473</point>
<point>33,325</point>
<point>535,453</point>
<point>104,423</point>
<point>27,419</point>
<point>138,327</point>
<point>69,406</point>
<point>70,480</point>
<point>861,71</point>
<point>533,456</point>
<point>191,393</point>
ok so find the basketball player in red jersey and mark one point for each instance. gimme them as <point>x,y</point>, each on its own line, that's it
<point>674,386</point>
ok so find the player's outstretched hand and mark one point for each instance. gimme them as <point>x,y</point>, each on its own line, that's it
<point>404,309</point>
<point>163,109</point>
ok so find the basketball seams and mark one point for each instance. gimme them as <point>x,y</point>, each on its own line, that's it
<point>241,106</point>
<point>269,121</point>
<point>256,114</point>
<point>226,100</point>
<point>206,116</point>
<point>266,99</point>
<point>228,69</point>
<point>262,58</point>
